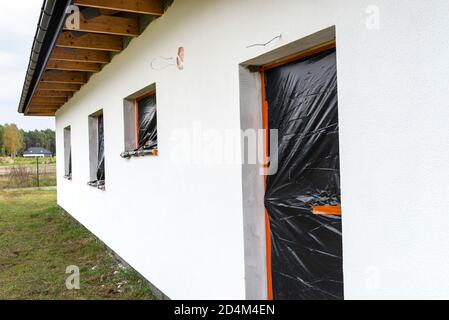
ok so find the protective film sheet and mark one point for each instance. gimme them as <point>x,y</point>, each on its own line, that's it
<point>100,165</point>
<point>147,116</point>
<point>306,248</point>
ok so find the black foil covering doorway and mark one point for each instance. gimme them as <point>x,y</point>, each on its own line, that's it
<point>306,248</point>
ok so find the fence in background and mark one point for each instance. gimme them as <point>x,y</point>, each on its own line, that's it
<point>40,172</point>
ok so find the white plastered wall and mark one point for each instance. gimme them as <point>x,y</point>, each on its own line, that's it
<point>181,225</point>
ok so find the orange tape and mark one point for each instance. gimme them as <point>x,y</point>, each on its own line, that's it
<point>327,210</point>
<point>267,219</point>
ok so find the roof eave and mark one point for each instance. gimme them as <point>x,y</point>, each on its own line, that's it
<point>51,23</point>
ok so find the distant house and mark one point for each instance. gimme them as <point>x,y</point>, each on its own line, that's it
<point>37,152</point>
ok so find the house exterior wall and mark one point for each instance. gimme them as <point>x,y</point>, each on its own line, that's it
<point>181,225</point>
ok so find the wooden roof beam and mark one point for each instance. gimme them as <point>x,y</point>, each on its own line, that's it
<point>80,55</point>
<point>108,12</point>
<point>49,100</point>
<point>71,77</point>
<point>73,66</point>
<point>40,114</point>
<point>151,7</point>
<point>90,41</point>
<point>52,94</point>
<point>42,107</point>
<point>38,111</point>
<point>68,87</point>
<point>112,25</point>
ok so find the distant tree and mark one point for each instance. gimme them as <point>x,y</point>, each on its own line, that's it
<point>2,148</point>
<point>40,138</point>
<point>12,139</point>
<point>24,144</point>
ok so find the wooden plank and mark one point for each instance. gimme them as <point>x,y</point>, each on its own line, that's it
<point>110,25</point>
<point>73,66</point>
<point>49,100</point>
<point>40,114</point>
<point>69,87</point>
<point>151,7</point>
<point>44,113</point>
<point>91,41</point>
<point>53,94</point>
<point>56,76</point>
<point>36,108</point>
<point>108,12</point>
<point>45,106</point>
<point>80,55</point>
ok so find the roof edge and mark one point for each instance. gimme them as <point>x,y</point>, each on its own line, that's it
<point>51,23</point>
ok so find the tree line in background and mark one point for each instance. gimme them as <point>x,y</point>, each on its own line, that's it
<point>14,141</point>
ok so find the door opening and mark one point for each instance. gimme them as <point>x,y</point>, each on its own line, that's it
<point>302,200</point>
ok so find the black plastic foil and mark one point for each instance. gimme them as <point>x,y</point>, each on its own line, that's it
<point>147,116</point>
<point>306,248</point>
<point>70,163</point>
<point>100,165</point>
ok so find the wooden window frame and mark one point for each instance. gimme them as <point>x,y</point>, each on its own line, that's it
<point>136,104</point>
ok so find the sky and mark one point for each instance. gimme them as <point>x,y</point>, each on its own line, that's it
<point>18,24</point>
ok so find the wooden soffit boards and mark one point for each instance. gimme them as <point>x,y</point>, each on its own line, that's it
<point>103,27</point>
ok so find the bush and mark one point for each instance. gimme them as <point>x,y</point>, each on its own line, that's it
<point>21,177</point>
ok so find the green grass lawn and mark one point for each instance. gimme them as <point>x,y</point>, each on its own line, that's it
<point>38,241</point>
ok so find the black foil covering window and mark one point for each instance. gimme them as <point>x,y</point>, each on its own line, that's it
<point>306,248</point>
<point>68,169</point>
<point>147,121</point>
<point>100,174</point>
<point>70,163</point>
<point>100,166</point>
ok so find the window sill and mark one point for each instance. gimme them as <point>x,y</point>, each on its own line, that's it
<point>97,185</point>
<point>141,153</point>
